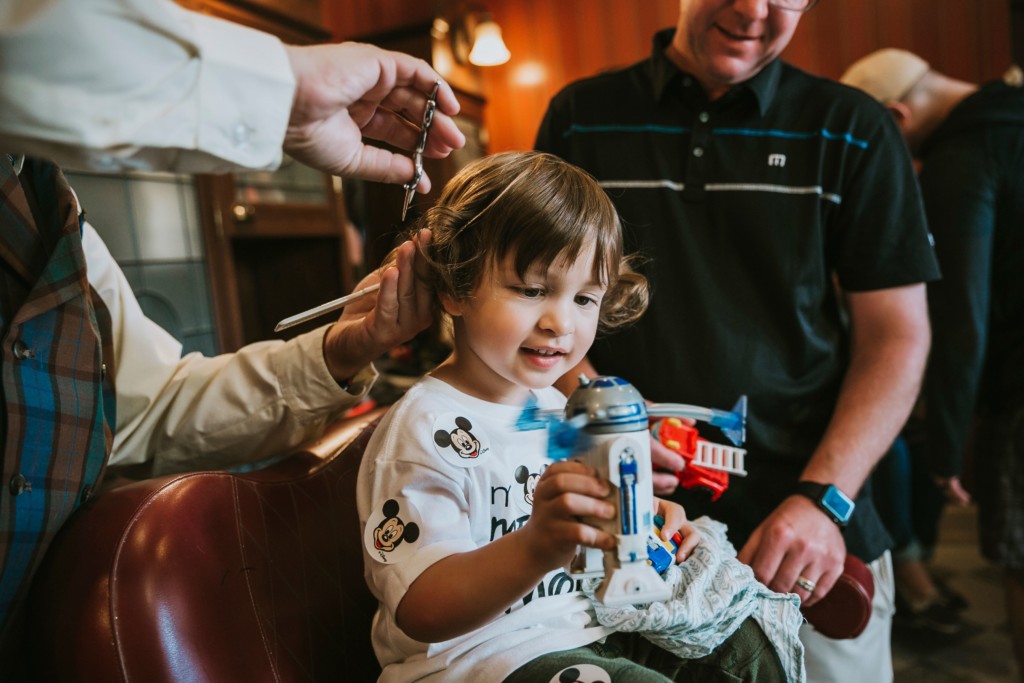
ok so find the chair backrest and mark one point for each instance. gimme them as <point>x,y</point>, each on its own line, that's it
<point>214,577</point>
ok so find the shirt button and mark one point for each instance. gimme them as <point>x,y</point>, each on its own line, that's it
<point>704,116</point>
<point>241,134</point>
<point>86,494</point>
<point>22,351</point>
<point>698,151</point>
<point>19,485</point>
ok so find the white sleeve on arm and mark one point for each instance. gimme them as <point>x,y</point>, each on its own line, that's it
<point>140,84</point>
<point>202,412</point>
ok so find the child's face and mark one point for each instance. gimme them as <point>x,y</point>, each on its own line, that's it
<point>514,334</point>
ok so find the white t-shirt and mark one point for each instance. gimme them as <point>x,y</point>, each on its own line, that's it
<point>447,473</point>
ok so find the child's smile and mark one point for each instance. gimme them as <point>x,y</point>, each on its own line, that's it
<point>544,357</point>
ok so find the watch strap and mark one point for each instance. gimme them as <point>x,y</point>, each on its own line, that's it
<point>817,492</point>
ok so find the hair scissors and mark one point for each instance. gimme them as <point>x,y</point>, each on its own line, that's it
<point>421,144</point>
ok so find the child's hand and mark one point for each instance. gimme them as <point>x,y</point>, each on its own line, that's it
<point>567,493</point>
<point>676,521</point>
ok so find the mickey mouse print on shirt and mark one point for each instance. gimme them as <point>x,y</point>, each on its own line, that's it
<point>390,533</point>
<point>458,441</point>
<point>527,484</point>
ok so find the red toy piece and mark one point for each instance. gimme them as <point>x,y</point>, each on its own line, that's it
<point>708,464</point>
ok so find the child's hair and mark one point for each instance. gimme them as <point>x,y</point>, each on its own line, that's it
<point>540,208</point>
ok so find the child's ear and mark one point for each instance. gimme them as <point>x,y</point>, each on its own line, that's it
<point>451,305</point>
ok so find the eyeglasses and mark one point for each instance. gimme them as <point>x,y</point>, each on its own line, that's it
<point>793,5</point>
<point>421,144</point>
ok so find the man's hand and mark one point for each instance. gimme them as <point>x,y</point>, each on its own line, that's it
<point>351,91</point>
<point>796,541</point>
<point>954,490</point>
<point>665,463</point>
<point>371,326</point>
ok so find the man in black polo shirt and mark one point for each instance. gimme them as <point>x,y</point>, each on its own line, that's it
<point>788,252</point>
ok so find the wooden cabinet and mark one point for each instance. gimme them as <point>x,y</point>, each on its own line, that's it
<point>276,243</point>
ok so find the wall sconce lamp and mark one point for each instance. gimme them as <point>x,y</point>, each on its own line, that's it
<point>476,39</point>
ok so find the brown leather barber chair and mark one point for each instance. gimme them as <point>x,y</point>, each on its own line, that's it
<point>214,577</point>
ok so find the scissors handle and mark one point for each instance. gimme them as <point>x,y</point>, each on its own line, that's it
<point>421,145</point>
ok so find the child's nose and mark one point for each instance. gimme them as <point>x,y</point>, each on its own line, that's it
<point>558,319</point>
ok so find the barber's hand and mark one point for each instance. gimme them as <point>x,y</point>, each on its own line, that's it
<point>797,541</point>
<point>350,91</point>
<point>371,326</point>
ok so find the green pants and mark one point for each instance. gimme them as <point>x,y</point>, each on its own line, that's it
<point>746,655</point>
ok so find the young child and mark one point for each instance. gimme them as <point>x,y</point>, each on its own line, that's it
<point>467,528</point>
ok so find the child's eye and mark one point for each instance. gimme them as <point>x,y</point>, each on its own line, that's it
<point>530,292</point>
<point>585,300</point>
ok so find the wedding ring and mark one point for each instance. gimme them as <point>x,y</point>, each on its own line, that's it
<point>805,583</point>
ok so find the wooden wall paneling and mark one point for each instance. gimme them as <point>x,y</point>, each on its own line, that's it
<point>349,19</point>
<point>556,42</point>
<point>294,23</point>
<point>553,44</point>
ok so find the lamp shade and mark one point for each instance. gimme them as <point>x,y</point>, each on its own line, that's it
<point>488,47</point>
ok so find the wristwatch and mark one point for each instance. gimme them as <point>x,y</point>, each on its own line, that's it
<point>833,502</point>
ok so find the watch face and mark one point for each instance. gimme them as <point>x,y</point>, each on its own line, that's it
<point>837,503</point>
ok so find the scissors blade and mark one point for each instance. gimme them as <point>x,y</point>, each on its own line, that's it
<point>317,311</point>
<point>410,192</point>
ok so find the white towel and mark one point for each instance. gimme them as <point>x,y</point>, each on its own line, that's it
<point>712,594</point>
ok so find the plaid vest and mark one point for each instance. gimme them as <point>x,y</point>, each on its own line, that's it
<point>58,402</point>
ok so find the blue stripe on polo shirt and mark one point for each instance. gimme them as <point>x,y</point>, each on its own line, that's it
<point>751,132</point>
<point>624,128</point>
<point>827,134</point>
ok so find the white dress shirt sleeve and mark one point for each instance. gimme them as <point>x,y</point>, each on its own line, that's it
<point>200,412</point>
<point>140,84</point>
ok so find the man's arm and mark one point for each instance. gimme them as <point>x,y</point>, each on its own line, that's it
<point>115,85</point>
<point>202,412</point>
<point>889,347</point>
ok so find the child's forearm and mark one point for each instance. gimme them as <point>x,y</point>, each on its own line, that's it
<point>465,591</point>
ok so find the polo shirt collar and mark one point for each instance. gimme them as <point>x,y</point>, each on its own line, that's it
<point>664,73</point>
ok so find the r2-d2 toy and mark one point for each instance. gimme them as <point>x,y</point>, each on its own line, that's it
<point>617,444</point>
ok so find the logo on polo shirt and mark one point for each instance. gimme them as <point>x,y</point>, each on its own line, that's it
<point>777,160</point>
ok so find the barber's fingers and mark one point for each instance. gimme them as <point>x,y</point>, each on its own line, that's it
<point>416,76</point>
<point>415,299</point>
<point>385,124</point>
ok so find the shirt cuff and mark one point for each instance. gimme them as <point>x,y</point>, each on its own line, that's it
<point>307,385</point>
<point>246,89</point>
